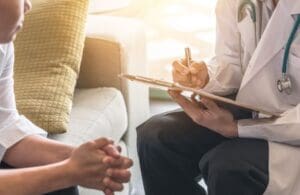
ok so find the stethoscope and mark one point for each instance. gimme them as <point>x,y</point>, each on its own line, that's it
<point>248,7</point>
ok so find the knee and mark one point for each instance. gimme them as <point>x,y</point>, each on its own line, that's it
<point>221,164</point>
<point>151,134</point>
<point>148,132</point>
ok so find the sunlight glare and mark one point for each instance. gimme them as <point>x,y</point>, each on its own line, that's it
<point>206,37</point>
<point>168,49</point>
<point>204,4</point>
<point>190,23</point>
<point>175,9</point>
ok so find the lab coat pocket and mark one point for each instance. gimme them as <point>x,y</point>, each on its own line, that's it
<point>247,32</point>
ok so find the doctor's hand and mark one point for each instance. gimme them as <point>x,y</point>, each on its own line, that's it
<point>208,114</point>
<point>195,76</point>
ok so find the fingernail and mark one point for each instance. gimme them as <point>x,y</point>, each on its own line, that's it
<point>109,172</point>
<point>106,180</point>
<point>130,162</point>
<point>107,160</point>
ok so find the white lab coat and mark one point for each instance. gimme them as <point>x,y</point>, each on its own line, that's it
<point>257,85</point>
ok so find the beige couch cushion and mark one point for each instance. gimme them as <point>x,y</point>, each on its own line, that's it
<point>48,56</point>
<point>98,112</point>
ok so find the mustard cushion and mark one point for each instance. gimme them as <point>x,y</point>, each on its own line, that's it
<point>48,55</point>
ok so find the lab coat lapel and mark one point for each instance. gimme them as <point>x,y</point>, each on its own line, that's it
<point>273,40</point>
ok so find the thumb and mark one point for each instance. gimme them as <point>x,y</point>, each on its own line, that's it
<point>112,151</point>
<point>102,142</point>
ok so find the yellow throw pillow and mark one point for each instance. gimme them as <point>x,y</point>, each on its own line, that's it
<point>48,55</point>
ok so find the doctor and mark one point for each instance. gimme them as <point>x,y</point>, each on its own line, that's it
<point>234,152</point>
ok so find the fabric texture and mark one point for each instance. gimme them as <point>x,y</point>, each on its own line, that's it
<point>99,112</point>
<point>175,153</point>
<point>48,56</point>
<point>13,127</point>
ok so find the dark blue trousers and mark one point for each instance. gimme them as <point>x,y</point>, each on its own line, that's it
<point>175,153</point>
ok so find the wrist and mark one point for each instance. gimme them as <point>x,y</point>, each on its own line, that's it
<point>67,152</point>
<point>232,130</point>
<point>64,153</point>
<point>70,172</point>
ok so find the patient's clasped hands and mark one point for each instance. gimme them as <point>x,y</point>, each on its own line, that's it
<point>212,116</point>
<point>98,164</point>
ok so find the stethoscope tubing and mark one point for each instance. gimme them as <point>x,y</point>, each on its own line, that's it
<point>284,84</point>
<point>289,44</point>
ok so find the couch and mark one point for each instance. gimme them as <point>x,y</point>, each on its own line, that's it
<point>104,105</point>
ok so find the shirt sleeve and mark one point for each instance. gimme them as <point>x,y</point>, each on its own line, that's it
<point>225,68</point>
<point>13,127</point>
<point>284,129</point>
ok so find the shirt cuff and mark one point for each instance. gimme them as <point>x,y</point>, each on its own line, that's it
<point>251,128</point>
<point>244,128</point>
<point>16,131</point>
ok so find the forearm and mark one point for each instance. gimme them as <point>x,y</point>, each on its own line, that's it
<point>283,129</point>
<point>37,180</point>
<point>261,129</point>
<point>36,151</point>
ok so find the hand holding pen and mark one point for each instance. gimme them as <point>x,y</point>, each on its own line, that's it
<point>204,112</point>
<point>190,73</point>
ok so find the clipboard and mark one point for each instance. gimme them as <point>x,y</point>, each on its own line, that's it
<point>175,86</point>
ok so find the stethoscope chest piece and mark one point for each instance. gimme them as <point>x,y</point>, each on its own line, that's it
<point>285,84</point>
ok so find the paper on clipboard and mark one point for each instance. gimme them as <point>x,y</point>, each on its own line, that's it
<point>200,92</point>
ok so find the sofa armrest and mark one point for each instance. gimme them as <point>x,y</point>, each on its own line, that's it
<point>116,45</point>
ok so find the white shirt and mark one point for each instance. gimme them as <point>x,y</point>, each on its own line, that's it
<point>13,127</point>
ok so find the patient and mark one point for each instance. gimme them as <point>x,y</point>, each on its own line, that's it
<point>54,168</point>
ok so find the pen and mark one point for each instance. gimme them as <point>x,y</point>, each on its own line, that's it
<point>188,56</point>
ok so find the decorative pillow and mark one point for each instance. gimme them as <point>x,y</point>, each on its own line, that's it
<point>48,55</point>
